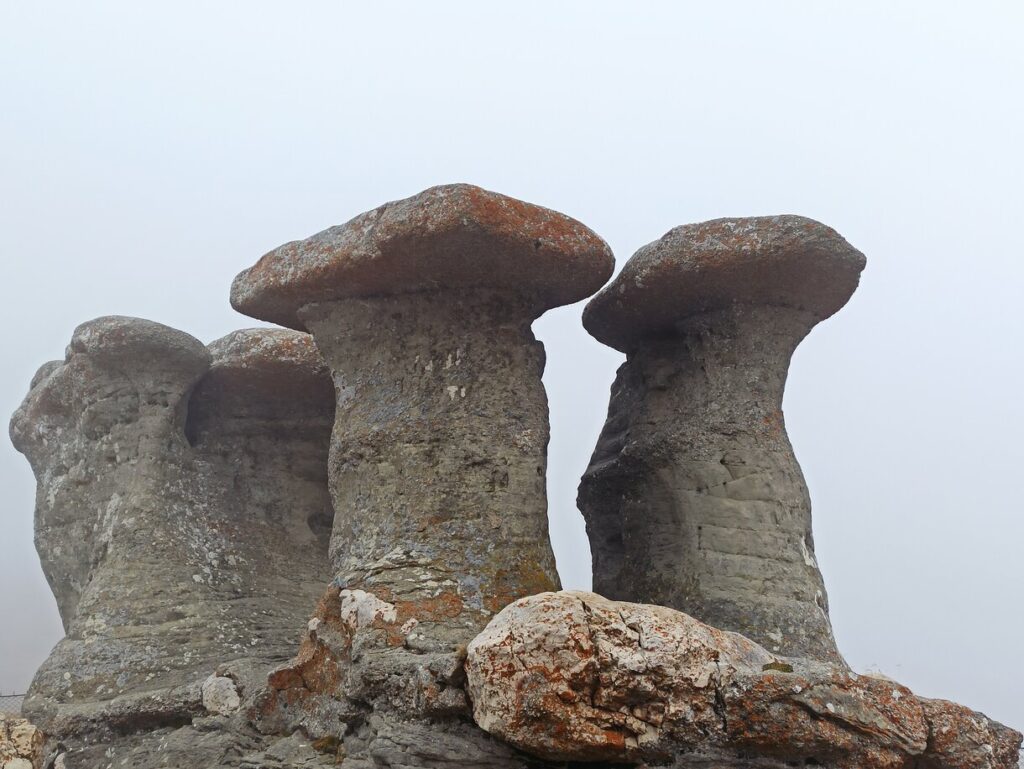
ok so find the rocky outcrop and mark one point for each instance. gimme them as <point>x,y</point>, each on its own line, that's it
<point>575,677</point>
<point>21,744</point>
<point>422,309</point>
<point>694,498</point>
<point>182,517</point>
<point>274,553</point>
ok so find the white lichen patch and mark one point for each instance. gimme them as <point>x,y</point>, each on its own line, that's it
<point>806,553</point>
<point>359,608</point>
<point>220,695</point>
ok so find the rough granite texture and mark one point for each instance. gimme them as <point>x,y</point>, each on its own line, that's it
<point>693,498</point>
<point>573,676</point>
<point>182,517</point>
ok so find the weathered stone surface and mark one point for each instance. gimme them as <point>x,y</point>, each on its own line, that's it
<point>87,424</point>
<point>220,695</point>
<point>185,557</point>
<point>422,309</point>
<point>573,676</point>
<point>21,744</point>
<point>776,261</point>
<point>451,237</point>
<point>694,498</point>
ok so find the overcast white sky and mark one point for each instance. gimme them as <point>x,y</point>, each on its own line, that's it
<point>148,152</point>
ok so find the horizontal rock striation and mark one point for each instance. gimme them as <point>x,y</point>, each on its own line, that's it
<point>572,676</point>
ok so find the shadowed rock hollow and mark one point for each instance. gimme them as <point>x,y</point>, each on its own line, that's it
<point>285,550</point>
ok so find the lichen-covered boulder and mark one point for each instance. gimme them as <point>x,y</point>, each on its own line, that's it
<point>21,744</point>
<point>572,676</point>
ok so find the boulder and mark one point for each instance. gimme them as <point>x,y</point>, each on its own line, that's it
<point>572,676</point>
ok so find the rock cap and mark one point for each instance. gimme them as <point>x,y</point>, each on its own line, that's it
<point>788,261</point>
<point>119,343</point>
<point>455,236</point>
<point>137,343</point>
<point>268,356</point>
<point>256,368</point>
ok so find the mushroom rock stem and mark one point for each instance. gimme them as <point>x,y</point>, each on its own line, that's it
<point>438,455</point>
<point>694,498</point>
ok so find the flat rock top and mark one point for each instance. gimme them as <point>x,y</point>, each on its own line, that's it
<point>789,261</point>
<point>453,236</point>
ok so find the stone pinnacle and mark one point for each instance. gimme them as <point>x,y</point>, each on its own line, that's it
<point>694,498</point>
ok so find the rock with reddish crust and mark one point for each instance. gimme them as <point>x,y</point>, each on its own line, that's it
<point>451,238</point>
<point>572,676</point>
<point>693,497</point>
<point>422,309</point>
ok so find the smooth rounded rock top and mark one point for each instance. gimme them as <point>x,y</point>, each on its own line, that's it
<point>787,261</point>
<point>132,342</point>
<point>454,236</point>
<point>271,361</point>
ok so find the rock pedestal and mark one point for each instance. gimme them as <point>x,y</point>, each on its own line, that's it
<point>196,504</point>
<point>694,498</point>
<point>422,309</point>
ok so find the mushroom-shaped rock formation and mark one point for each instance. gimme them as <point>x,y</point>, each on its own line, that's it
<point>169,560</point>
<point>693,497</point>
<point>422,309</point>
<point>574,677</point>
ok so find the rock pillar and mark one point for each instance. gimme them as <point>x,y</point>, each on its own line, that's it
<point>694,498</point>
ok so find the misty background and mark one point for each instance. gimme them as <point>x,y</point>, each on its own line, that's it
<point>149,152</point>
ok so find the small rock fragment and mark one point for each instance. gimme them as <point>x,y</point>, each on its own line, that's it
<point>220,695</point>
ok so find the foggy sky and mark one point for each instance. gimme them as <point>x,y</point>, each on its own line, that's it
<point>150,152</point>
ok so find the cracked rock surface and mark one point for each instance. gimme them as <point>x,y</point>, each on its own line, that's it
<point>572,676</point>
<point>693,497</point>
